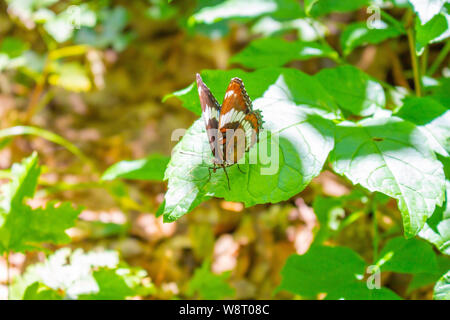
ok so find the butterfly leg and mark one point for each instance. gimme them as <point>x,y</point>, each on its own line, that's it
<point>228,179</point>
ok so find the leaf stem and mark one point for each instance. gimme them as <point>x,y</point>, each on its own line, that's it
<point>414,60</point>
<point>440,58</point>
<point>424,61</point>
<point>33,103</point>
<point>376,239</point>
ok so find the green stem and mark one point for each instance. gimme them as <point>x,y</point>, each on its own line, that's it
<point>415,65</point>
<point>375,232</point>
<point>440,58</point>
<point>424,61</point>
<point>392,20</point>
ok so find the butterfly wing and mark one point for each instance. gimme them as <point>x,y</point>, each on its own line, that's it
<point>211,114</point>
<point>237,116</point>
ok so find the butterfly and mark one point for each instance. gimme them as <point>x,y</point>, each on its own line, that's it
<point>232,128</point>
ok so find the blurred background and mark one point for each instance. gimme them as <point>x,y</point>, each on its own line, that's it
<point>95,74</point>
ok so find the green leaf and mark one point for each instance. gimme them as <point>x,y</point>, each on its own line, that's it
<point>44,134</point>
<point>442,288</point>
<point>62,26</point>
<point>13,47</point>
<point>275,52</point>
<point>321,269</point>
<point>307,29</point>
<point>110,286</point>
<point>441,92</point>
<point>432,118</point>
<point>317,8</point>
<point>407,256</point>
<point>427,9</point>
<point>79,275</point>
<point>293,146</point>
<point>23,228</point>
<point>331,214</point>
<point>360,291</point>
<point>420,280</point>
<point>337,271</point>
<point>113,22</point>
<point>236,9</point>
<point>70,76</point>
<point>435,30</point>
<point>391,156</point>
<point>437,228</point>
<point>151,168</point>
<point>353,90</point>
<point>359,34</point>
<point>39,291</point>
<point>210,286</point>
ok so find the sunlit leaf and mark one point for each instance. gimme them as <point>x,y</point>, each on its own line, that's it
<point>391,156</point>
<point>426,9</point>
<point>151,168</point>
<point>442,288</point>
<point>70,76</point>
<point>211,13</point>
<point>432,118</point>
<point>437,228</point>
<point>435,30</point>
<point>353,90</point>
<point>23,228</point>
<point>322,7</point>
<point>39,291</point>
<point>275,52</point>
<point>296,136</point>
<point>79,275</point>
<point>359,34</point>
<point>307,29</point>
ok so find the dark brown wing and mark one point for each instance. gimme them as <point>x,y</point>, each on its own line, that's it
<point>210,114</point>
<point>237,116</point>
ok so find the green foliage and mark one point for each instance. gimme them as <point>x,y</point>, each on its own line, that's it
<point>426,9</point>
<point>420,280</point>
<point>330,213</point>
<point>435,30</point>
<point>151,168</point>
<point>214,11</point>
<point>391,156</point>
<point>208,285</point>
<point>23,228</point>
<point>359,34</point>
<point>437,228</point>
<point>39,291</point>
<point>112,34</point>
<point>274,52</point>
<point>290,105</point>
<point>408,256</point>
<point>432,118</point>
<point>442,288</point>
<point>357,92</point>
<point>317,8</point>
<point>337,271</point>
<point>78,275</point>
